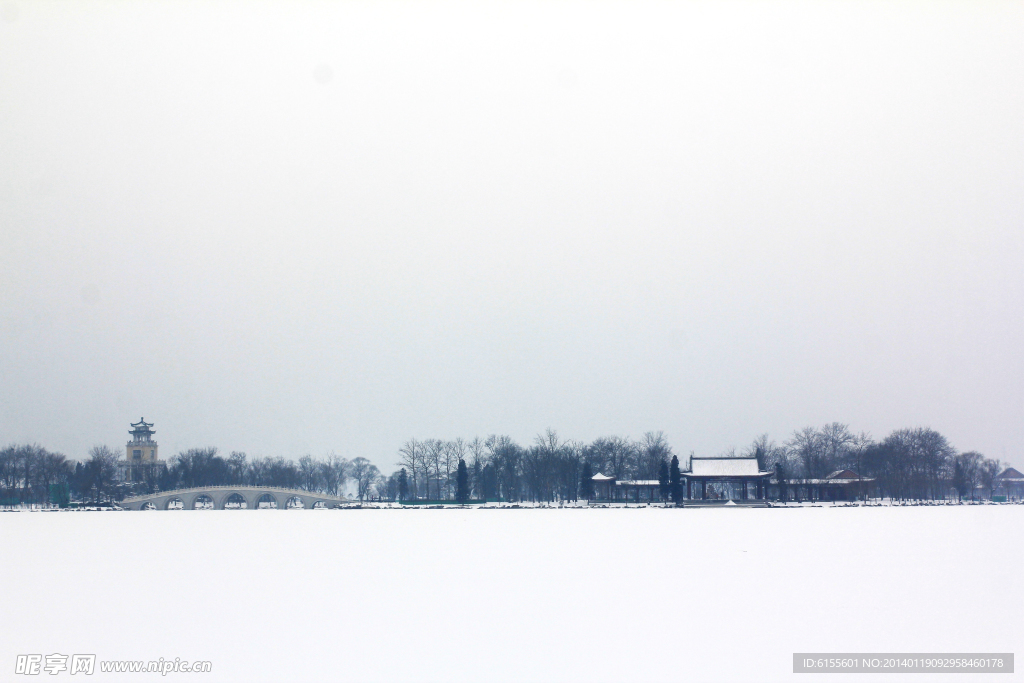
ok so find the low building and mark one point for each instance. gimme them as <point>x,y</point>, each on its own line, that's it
<point>611,490</point>
<point>740,478</point>
<point>1008,485</point>
<point>837,486</point>
<point>736,478</point>
<point>638,490</point>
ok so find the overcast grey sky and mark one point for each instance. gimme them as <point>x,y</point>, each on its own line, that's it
<point>291,227</point>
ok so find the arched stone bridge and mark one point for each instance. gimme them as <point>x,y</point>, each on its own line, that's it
<point>217,497</point>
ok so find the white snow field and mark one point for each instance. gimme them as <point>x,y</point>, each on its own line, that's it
<point>511,595</point>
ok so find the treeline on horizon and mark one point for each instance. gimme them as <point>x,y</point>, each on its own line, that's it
<point>915,463</point>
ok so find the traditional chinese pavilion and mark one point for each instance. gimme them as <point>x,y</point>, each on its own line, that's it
<point>725,478</point>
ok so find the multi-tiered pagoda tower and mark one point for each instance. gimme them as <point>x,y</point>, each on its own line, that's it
<point>141,451</point>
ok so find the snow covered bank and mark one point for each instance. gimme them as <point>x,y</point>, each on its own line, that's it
<point>512,595</point>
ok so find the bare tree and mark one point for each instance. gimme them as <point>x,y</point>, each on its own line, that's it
<point>53,469</point>
<point>653,451</point>
<point>238,467</point>
<point>613,456</point>
<point>548,441</point>
<point>989,470</point>
<point>913,463</point>
<point>333,472</point>
<point>836,442</point>
<point>936,462</point>
<point>476,449</point>
<point>476,466</point>
<point>366,474</point>
<point>102,469</point>
<point>28,472</point>
<point>768,453</point>
<point>971,464</point>
<point>807,448</point>
<point>259,472</point>
<point>856,451</point>
<point>505,456</point>
<point>435,450</point>
<point>410,456</point>
<point>309,472</point>
<point>9,472</point>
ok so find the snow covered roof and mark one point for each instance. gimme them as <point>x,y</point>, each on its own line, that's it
<point>601,477</point>
<point>843,474</point>
<point>1010,474</point>
<point>637,482</point>
<point>841,481</point>
<point>723,467</point>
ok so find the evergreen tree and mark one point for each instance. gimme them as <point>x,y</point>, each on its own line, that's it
<point>462,482</point>
<point>586,482</point>
<point>675,481</point>
<point>663,483</point>
<point>759,453</point>
<point>780,476</point>
<point>403,485</point>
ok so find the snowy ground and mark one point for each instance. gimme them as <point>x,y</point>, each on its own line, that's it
<point>511,595</point>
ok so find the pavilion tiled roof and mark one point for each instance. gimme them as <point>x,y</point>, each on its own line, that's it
<point>843,474</point>
<point>1010,474</point>
<point>723,467</point>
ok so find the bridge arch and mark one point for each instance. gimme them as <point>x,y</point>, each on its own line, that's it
<point>267,497</point>
<point>204,499</point>
<point>235,499</point>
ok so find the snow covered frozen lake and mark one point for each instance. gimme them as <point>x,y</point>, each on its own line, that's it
<point>512,595</point>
